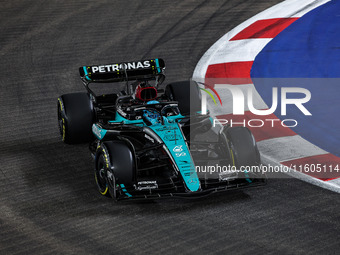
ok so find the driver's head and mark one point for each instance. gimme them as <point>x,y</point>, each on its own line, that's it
<point>151,116</point>
<point>145,92</point>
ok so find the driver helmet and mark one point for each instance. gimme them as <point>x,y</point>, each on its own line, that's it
<point>145,92</point>
<point>152,116</point>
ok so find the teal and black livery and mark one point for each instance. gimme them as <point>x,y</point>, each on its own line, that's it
<point>176,146</point>
<point>179,151</point>
<point>150,142</point>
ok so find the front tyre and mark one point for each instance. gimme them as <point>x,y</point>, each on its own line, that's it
<point>243,150</point>
<point>244,147</point>
<point>115,168</point>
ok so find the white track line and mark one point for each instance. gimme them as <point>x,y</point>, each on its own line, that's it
<point>288,148</point>
<point>240,50</point>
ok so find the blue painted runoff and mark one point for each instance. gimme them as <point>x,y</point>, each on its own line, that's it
<point>307,55</point>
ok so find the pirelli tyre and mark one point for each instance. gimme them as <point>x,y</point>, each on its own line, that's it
<point>187,94</point>
<point>115,168</point>
<point>75,118</point>
<point>243,150</point>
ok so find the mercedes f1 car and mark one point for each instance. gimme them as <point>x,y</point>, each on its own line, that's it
<point>149,142</point>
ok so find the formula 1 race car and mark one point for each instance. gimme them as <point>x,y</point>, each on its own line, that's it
<point>149,142</point>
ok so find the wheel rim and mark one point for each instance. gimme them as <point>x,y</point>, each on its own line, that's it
<point>112,183</point>
<point>100,176</point>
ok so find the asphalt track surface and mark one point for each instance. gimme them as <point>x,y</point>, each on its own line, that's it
<point>48,199</point>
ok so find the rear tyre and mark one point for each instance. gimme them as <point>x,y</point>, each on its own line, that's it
<point>187,94</point>
<point>75,118</point>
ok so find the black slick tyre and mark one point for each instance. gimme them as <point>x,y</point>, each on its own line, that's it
<point>75,118</point>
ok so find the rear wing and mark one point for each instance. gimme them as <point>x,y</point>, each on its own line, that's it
<point>127,71</point>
